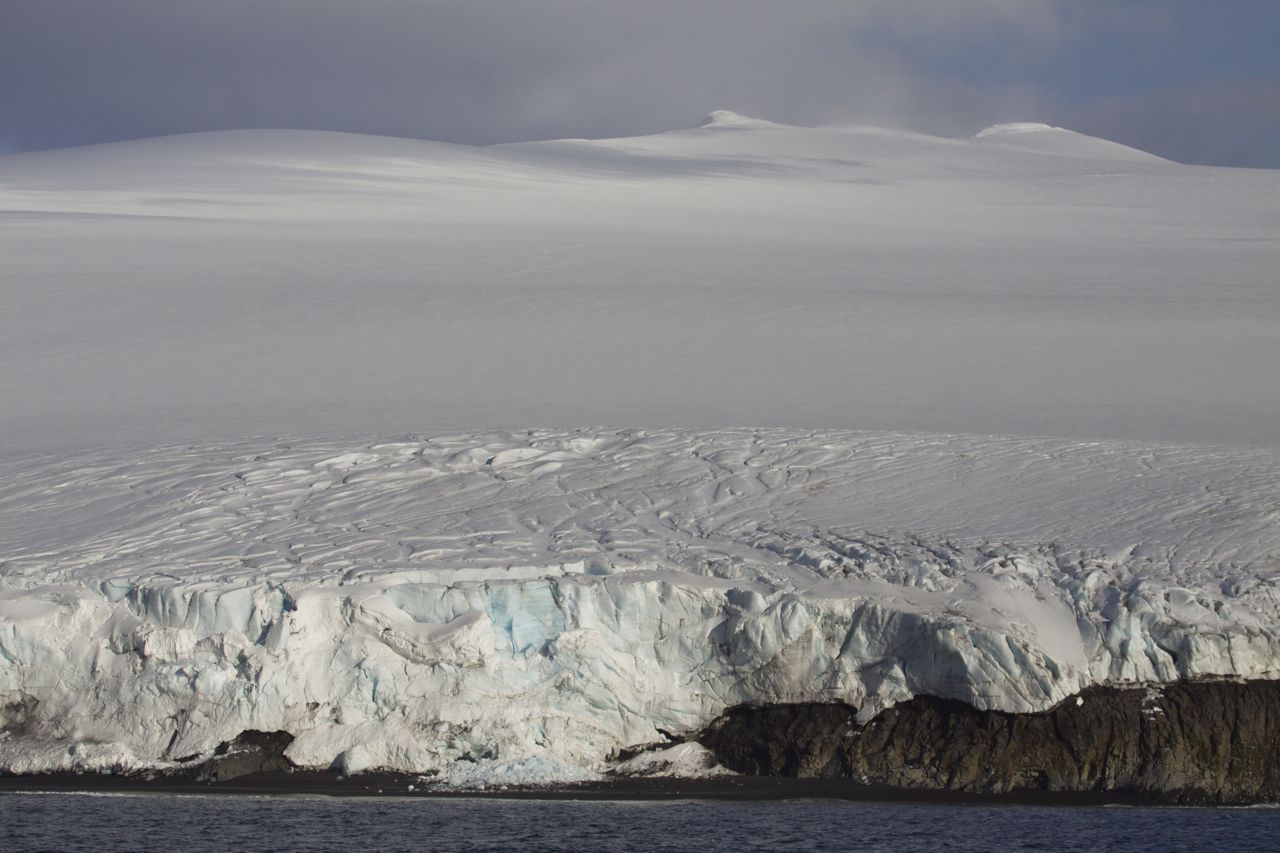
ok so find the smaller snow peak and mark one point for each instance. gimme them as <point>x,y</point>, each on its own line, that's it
<point>728,118</point>
<point>1014,128</point>
<point>1058,141</point>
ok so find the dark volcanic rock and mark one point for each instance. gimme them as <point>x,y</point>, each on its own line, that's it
<point>251,752</point>
<point>16,717</point>
<point>1191,742</point>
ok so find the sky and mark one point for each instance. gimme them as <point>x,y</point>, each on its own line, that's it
<point>1194,80</point>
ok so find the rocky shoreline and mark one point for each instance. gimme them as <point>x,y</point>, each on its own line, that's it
<point>1189,743</point>
<point>1207,742</point>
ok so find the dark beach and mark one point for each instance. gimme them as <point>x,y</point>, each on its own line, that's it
<point>382,784</point>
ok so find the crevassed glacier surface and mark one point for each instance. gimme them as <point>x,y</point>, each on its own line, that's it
<point>531,603</point>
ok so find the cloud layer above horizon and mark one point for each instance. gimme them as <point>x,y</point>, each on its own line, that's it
<point>1192,81</point>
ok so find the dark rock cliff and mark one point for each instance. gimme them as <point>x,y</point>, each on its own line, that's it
<point>251,752</point>
<point>1191,742</point>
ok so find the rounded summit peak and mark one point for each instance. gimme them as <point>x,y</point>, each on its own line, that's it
<point>728,118</point>
<point>1013,128</point>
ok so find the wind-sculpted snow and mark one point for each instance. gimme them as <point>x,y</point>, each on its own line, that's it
<point>525,605</point>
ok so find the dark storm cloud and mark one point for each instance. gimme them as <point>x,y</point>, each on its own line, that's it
<point>77,71</point>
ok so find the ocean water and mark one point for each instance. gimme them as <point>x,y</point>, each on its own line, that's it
<point>146,822</point>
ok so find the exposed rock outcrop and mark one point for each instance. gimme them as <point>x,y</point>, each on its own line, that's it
<point>1189,742</point>
<point>251,752</point>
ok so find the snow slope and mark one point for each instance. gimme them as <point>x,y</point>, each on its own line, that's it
<point>743,273</point>
<point>1012,432</point>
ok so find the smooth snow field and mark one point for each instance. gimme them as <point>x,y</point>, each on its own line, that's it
<point>492,462</point>
<point>1032,282</point>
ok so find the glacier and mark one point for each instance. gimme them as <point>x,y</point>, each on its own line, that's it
<point>498,464</point>
<point>530,605</point>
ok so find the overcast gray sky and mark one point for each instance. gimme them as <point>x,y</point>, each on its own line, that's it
<point>1194,80</point>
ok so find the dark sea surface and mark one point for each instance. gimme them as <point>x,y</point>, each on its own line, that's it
<point>165,822</point>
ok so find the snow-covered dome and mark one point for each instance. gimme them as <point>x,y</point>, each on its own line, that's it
<point>1015,127</point>
<point>728,118</point>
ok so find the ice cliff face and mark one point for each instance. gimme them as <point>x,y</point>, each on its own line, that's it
<point>526,605</point>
